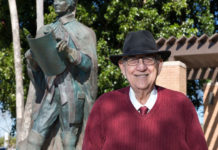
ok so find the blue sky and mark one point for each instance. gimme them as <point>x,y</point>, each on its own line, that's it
<point>200,113</point>
<point>5,123</point>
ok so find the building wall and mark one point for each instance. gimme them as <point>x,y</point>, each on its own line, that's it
<point>211,115</point>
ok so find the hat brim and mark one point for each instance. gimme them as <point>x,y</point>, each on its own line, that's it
<point>164,55</point>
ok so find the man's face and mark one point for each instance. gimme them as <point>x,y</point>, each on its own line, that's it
<point>61,6</point>
<point>141,71</point>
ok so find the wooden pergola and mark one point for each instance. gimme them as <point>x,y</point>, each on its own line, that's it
<point>200,54</point>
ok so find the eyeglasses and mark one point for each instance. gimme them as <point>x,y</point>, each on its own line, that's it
<point>134,61</point>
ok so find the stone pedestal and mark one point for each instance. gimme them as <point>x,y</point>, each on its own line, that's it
<point>173,76</point>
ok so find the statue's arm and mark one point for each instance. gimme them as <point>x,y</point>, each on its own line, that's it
<point>75,57</point>
<point>36,76</point>
<point>80,59</point>
<point>31,63</point>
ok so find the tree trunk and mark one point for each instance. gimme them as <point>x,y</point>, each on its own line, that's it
<point>18,66</point>
<point>39,13</point>
<point>30,106</point>
<point>27,120</point>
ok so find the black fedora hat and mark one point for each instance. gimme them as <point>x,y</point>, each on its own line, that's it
<point>139,43</point>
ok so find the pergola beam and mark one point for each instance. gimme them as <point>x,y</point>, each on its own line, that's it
<point>200,54</point>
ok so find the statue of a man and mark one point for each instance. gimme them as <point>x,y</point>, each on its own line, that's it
<point>64,95</point>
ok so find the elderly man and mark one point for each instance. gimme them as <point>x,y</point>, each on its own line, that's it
<point>143,116</point>
<point>63,95</point>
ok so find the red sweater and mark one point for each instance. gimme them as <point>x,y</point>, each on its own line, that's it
<point>172,124</point>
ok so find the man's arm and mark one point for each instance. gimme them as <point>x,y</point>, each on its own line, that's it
<point>94,133</point>
<point>194,133</point>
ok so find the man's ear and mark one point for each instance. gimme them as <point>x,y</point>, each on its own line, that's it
<point>122,67</point>
<point>160,64</point>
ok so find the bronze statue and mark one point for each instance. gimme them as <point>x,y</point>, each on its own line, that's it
<point>62,65</point>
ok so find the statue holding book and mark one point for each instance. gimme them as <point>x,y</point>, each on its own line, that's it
<point>62,65</point>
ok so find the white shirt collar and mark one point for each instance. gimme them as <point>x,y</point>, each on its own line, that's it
<point>150,102</point>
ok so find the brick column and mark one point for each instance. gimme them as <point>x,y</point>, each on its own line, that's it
<point>173,76</point>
